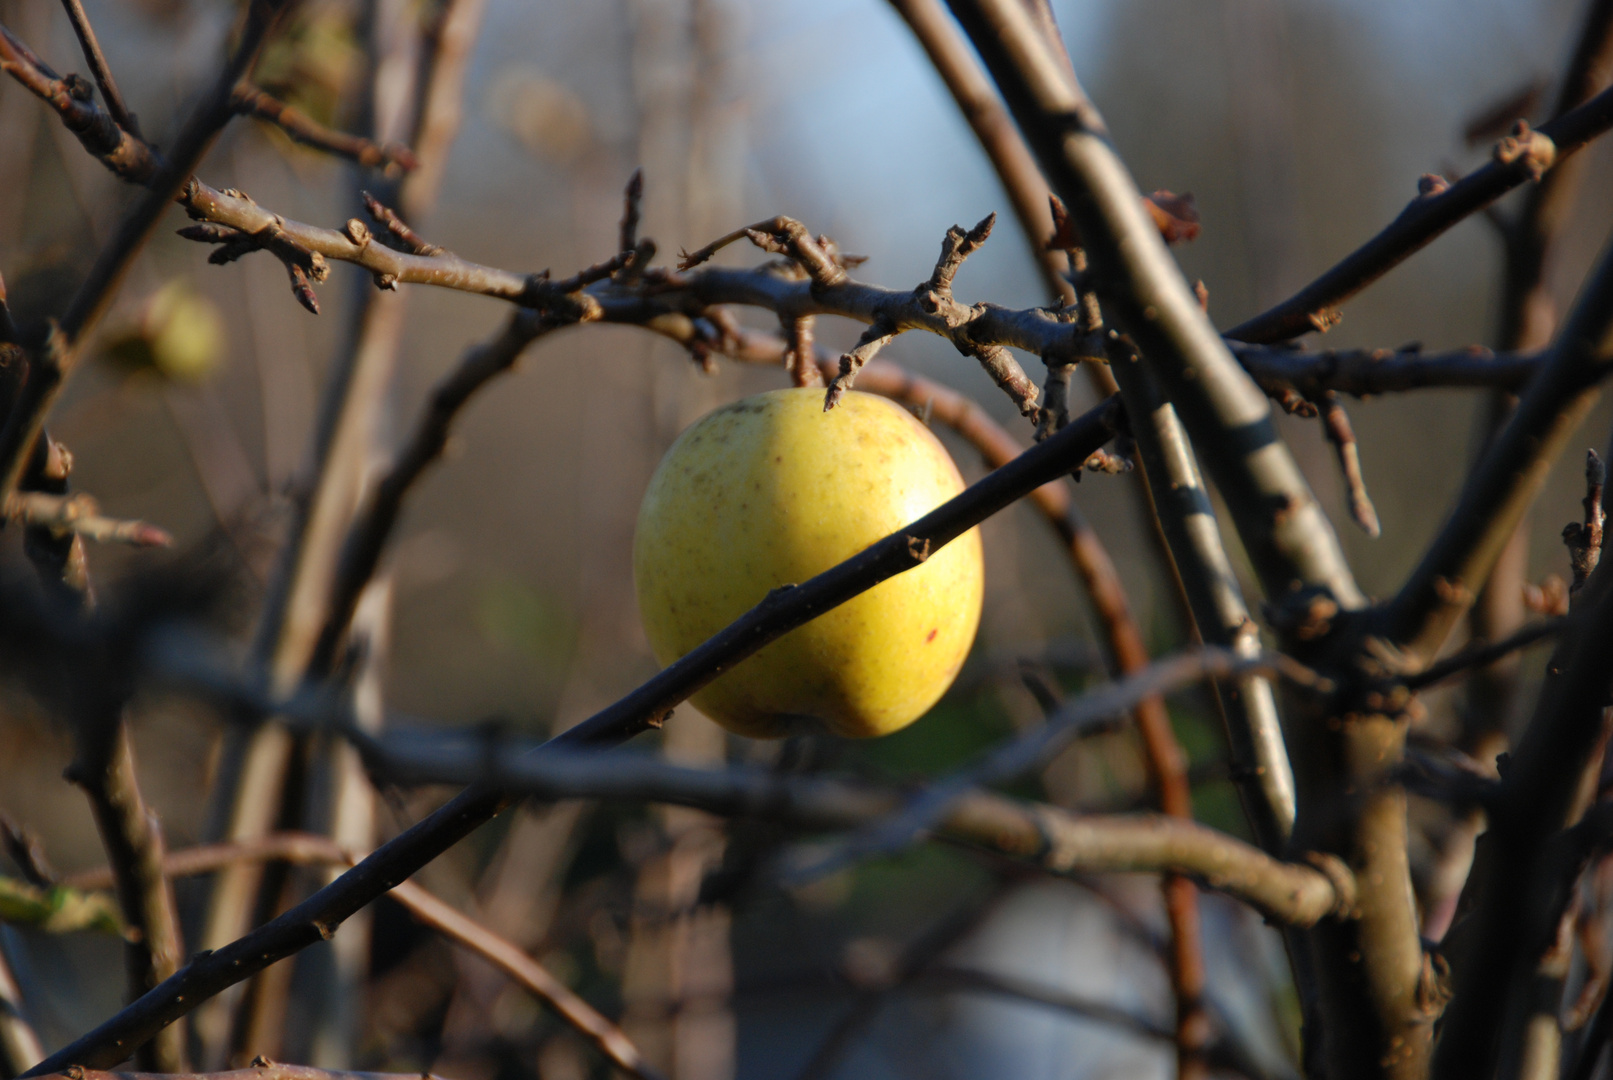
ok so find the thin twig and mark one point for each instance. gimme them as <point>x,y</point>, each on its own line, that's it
<point>390,158</point>
<point>1484,653</point>
<point>99,67</point>
<point>1336,427</point>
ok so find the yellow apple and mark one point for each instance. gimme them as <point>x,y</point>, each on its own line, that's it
<point>771,491</point>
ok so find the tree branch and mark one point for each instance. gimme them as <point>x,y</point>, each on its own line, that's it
<point>391,158</point>
<point>1520,158</point>
<point>81,515</point>
<point>1096,710</point>
<point>99,68</point>
<point>1515,885</point>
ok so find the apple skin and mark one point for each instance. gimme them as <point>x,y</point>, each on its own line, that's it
<point>771,491</point>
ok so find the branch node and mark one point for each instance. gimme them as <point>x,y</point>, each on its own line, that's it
<point>1533,149</point>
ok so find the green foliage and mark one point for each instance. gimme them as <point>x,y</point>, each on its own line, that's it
<point>58,909</point>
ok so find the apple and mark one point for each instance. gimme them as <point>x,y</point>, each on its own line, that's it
<point>771,491</point>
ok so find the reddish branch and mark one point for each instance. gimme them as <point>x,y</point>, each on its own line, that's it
<point>392,159</point>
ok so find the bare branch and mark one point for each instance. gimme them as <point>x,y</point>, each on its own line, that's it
<point>207,118</point>
<point>1100,709</point>
<point>72,98</point>
<point>397,227</point>
<point>391,159</point>
<point>1315,307</point>
<point>1365,372</point>
<point>81,515</point>
<point>632,208</point>
<point>1283,529</point>
<point>1517,888</point>
<point>1481,654</point>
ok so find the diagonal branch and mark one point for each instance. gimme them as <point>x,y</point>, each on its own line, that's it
<point>391,158</point>
<point>1516,162</point>
<point>1096,710</point>
<point>99,68</point>
<point>1284,530</point>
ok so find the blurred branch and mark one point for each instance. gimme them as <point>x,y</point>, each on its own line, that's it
<point>314,850</point>
<point>315,918</point>
<point>1365,372</point>
<point>1481,654</point>
<point>1095,710</point>
<point>132,836</point>
<point>81,514</point>
<point>1519,158</point>
<point>1516,887</point>
<point>1055,840</point>
<point>19,1044</point>
<point>72,99</point>
<point>390,158</point>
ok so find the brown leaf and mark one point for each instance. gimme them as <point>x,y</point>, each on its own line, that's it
<point>1176,215</point>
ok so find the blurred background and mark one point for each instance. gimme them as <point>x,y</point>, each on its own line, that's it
<point>1301,127</point>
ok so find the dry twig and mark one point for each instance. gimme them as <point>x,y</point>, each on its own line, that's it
<point>390,158</point>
